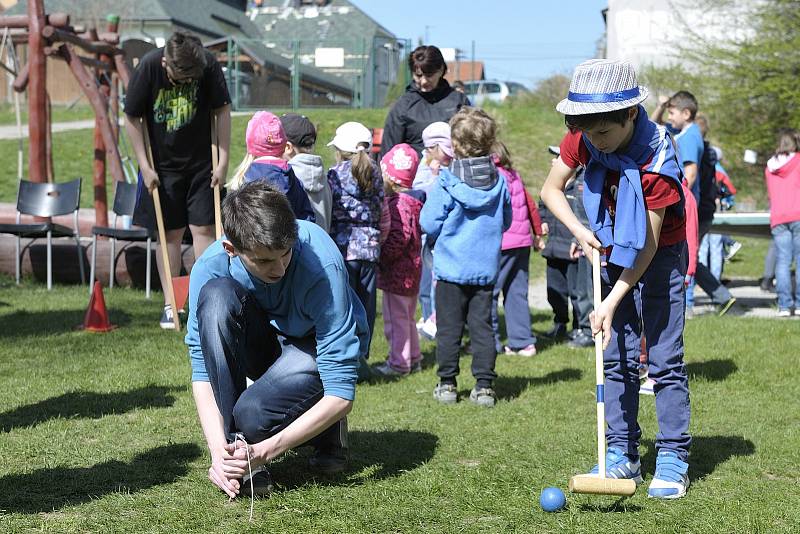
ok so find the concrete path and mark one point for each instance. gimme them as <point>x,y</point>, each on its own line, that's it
<point>751,301</point>
<point>9,131</point>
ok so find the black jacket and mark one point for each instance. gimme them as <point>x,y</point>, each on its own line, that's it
<point>415,110</point>
<point>559,237</point>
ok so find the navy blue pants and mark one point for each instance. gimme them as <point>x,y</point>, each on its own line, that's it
<point>239,343</point>
<point>656,303</point>
<point>362,276</point>
<point>570,281</point>
<point>512,280</point>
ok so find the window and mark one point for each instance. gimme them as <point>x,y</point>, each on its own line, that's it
<point>491,88</point>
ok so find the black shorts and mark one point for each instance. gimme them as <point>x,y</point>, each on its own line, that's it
<point>186,199</point>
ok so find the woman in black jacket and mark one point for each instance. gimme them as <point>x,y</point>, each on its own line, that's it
<point>429,98</point>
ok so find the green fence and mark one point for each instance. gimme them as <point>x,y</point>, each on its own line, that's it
<point>356,73</point>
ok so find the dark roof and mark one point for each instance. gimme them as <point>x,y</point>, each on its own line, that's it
<point>264,56</point>
<point>209,18</point>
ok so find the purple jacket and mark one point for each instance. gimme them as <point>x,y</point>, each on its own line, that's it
<point>355,214</point>
<point>518,234</point>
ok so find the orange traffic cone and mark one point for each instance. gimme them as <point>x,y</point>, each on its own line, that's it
<point>96,318</point>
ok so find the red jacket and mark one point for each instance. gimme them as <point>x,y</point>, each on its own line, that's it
<point>783,185</point>
<point>400,263</point>
<point>690,205</point>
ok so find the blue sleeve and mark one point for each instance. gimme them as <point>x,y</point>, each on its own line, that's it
<point>200,275</point>
<point>507,210</point>
<point>437,206</point>
<point>689,150</point>
<point>299,200</point>
<point>329,302</point>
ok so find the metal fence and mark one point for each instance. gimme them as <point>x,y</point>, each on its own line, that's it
<point>355,73</point>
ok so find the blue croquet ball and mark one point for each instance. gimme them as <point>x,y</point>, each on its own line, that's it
<point>552,499</point>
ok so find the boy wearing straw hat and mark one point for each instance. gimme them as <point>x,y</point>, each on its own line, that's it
<point>634,203</point>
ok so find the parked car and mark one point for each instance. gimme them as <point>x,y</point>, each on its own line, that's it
<point>492,90</point>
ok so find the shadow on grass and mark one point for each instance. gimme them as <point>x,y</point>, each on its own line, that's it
<point>707,453</point>
<point>511,387</point>
<point>87,404</point>
<point>620,505</point>
<point>374,455</point>
<point>712,370</point>
<point>44,323</point>
<point>45,490</point>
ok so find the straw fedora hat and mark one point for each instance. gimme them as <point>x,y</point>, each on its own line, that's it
<point>602,85</point>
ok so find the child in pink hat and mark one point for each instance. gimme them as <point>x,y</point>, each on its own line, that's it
<point>266,141</point>
<point>400,263</point>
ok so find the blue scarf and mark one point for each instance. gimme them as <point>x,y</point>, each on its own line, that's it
<point>649,150</point>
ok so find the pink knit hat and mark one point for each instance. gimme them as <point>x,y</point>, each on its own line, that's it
<point>265,135</point>
<point>400,164</point>
<point>438,133</point>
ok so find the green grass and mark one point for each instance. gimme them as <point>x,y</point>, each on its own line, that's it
<point>98,433</point>
<point>78,112</point>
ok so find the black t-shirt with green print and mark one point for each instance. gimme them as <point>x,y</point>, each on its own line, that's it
<point>178,115</point>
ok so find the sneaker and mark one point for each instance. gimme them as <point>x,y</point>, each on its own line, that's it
<point>733,250</point>
<point>485,397</point>
<point>767,284</point>
<point>420,323</point>
<point>558,331</point>
<point>445,393</point>
<point>526,352</point>
<point>581,340</point>
<point>416,367</point>
<point>784,313</point>
<point>727,306</point>
<point>646,387</point>
<point>329,461</point>
<point>385,369</point>
<point>619,465</point>
<point>428,330</point>
<point>262,483</point>
<point>671,478</point>
<point>167,322</point>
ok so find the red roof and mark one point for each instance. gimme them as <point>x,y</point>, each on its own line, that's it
<point>465,71</point>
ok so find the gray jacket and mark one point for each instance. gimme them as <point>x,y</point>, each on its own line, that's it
<point>309,170</point>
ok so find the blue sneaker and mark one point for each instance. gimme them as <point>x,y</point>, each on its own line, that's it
<point>671,478</point>
<point>618,465</point>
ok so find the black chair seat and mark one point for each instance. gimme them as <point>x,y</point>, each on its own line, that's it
<point>133,234</point>
<point>36,230</point>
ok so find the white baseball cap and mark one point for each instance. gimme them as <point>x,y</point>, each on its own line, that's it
<point>349,135</point>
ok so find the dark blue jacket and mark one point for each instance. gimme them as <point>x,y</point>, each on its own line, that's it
<point>287,183</point>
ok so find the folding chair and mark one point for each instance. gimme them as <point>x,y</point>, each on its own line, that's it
<point>46,200</point>
<point>124,204</point>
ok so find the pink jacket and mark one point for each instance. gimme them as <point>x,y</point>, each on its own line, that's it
<point>783,186</point>
<point>518,234</point>
<point>400,263</point>
<point>690,205</point>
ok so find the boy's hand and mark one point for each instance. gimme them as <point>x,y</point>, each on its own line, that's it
<point>216,177</point>
<point>601,321</point>
<point>588,241</point>
<point>545,228</point>
<point>538,243</point>
<point>575,251</point>
<point>435,166</point>
<point>150,178</point>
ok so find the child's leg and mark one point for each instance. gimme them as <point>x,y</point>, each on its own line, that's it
<point>413,335</point>
<point>663,317</point>
<point>426,284</point>
<point>398,320</point>
<point>515,303</point>
<point>583,297</point>
<point>451,302</point>
<point>479,319</point>
<point>503,279</point>
<point>621,361</point>
<point>362,277</point>
<point>557,290</point>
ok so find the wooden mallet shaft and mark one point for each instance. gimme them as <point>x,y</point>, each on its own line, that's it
<point>214,165</point>
<point>599,484</point>
<point>162,235</point>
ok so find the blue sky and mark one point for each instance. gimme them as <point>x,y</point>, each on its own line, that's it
<point>520,40</point>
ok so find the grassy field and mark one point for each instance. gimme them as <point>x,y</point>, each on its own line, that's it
<point>98,434</point>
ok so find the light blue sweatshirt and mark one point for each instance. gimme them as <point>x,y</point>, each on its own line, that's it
<point>466,213</point>
<point>313,297</point>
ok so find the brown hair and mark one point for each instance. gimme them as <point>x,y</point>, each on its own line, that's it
<point>684,100</point>
<point>503,155</point>
<point>590,120</point>
<point>428,59</point>
<point>788,141</point>
<point>361,168</point>
<point>185,55</point>
<point>472,132</point>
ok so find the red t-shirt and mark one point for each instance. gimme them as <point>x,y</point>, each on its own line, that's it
<point>659,191</point>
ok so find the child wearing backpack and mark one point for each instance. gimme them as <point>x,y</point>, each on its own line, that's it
<point>357,200</point>
<point>634,203</point>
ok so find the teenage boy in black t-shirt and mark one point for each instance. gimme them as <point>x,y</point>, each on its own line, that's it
<point>176,90</point>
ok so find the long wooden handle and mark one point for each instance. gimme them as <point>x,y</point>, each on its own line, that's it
<point>214,165</point>
<point>598,371</point>
<point>162,236</point>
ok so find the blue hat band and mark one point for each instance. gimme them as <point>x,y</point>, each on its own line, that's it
<point>601,98</point>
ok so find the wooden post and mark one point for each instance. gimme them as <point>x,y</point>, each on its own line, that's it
<point>37,94</point>
<point>99,163</point>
